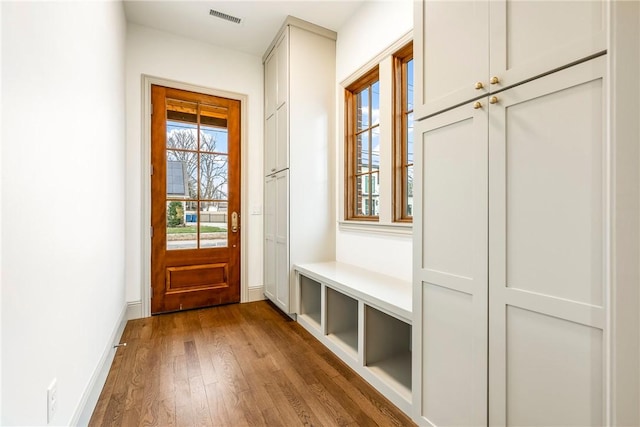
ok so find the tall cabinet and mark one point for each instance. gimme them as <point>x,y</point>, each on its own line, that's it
<point>299,107</point>
<point>515,230</point>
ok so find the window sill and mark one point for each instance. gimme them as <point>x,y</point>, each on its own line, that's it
<point>395,229</point>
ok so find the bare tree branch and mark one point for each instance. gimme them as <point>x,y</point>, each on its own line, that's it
<point>213,167</point>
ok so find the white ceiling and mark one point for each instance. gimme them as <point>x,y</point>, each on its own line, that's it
<point>261,19</point>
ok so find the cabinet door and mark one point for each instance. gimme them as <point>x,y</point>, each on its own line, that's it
<point>270,238</point>
<point>450,268</point>
<point>270,84</point>
<point>282,52</point>
<point>451,45</point>
<point>283,287</point>
<point>547,257</point>
<point>530,38</point>
<point>282,138</point>
<point>270,144</point>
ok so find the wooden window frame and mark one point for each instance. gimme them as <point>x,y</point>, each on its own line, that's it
<point>351,92</point>
<point>400,134</point>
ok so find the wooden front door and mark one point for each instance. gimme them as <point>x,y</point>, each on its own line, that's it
<point>195,200</point>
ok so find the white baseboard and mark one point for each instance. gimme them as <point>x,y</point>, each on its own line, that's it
<point>134,310</point>
<point>83,412</point>
<point>256,294</point>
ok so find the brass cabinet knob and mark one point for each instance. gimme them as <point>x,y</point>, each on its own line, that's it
<point>477,105</point>
<point>494,80</point>
<point>479,85</point>
<point>493,100</point>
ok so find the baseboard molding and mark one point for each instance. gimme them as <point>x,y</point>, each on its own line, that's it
<point>256,294</point>
<point>83,412</point>
<point>134,310</point>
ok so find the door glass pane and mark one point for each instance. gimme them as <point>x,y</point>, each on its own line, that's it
<point>182,170</point>
<point>182,125</point>
<point>214,139</point>
<point>181,233</point>
<point>214,174</point>
<point>197,175</point>
<point>213,129</point>
<point>213,224</point>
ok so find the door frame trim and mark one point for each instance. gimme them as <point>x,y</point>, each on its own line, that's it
<point>147,81</point>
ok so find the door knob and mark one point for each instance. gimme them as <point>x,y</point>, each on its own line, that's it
<point>477,105</point>
<point>479,85</point>
<point>494,80</point>
<point>234,222</point>
<point>493,100</point>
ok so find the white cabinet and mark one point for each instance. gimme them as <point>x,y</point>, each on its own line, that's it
<point>270,237</point>
<point>282,75</point>
<point>282,138</point>
<point>270,84</point>
<point>282,296</point>
<point>509,267</point>
<point>270,144</point>
<point>276,238</point>
<point>450,268</point>
<point>276,75</point>
<point>541,262</point>
<point>466,49</point>
<point>525,292</point>
<point>451,53</point>
<point>547,186</point>
<point>299,170</point>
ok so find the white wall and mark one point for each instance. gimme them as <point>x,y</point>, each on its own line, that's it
<point>0,219</point>
<point>62,201</point>
<point>372,28</point>
<point>638,237</point>
<point>160,54</point>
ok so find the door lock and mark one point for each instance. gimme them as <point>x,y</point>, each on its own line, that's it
<point>234,222</point>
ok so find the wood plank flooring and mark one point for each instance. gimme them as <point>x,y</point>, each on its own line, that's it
<point>234,365</point>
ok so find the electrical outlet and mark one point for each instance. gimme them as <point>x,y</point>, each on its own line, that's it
<point>52,400</point>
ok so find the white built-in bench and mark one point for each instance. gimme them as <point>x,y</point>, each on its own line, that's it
<point>364,318</point>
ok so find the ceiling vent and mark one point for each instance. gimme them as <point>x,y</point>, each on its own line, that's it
<point>224,16</point>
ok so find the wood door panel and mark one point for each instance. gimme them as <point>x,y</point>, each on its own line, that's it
<point>197,277</point>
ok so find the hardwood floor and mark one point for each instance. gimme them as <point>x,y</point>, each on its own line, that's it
<point>234,365</point>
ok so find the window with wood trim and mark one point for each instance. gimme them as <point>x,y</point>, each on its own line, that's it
<point>403,134</point>
<point>362,125</point>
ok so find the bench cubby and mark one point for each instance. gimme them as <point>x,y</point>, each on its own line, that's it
<point>310,301</point>
<point>342,321</point>
<point>365,319</point>
<point>388,349</point>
